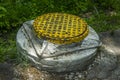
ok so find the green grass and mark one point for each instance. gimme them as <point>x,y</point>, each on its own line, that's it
<point>104,22</point>
<point>8,47</point>
<point>14,13</point>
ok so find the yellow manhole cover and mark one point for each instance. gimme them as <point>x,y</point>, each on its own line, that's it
<point>60,28</point>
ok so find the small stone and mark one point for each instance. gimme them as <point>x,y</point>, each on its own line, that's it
<point>79,75</point>
<point>70,76</point>
<point>72,73</point>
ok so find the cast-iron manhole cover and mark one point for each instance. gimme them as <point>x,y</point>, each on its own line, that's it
<point>60,28</point>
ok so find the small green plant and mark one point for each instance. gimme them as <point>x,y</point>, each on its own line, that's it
<point>2,11</point>
<point>7,50</point>
<point>104,22</point>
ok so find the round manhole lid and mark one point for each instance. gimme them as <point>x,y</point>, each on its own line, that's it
<point>60,28</point>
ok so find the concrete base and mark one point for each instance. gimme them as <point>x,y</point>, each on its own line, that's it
<point>56,58</point>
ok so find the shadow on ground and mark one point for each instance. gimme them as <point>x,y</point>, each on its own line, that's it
<point>6,71</point>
